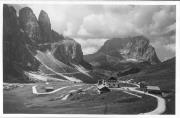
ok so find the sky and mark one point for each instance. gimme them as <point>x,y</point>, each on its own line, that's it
<point>92,25</point>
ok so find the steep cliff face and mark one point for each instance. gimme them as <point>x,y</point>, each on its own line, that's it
<point>16,57</point>
<point>29,24</point>
<point>69,52</point>
<point>45,26</point>
<point>9,36</point>
<point>140,49</point>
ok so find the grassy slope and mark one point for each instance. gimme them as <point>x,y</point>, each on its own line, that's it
<point>23,101</point>
<point>162,75</point>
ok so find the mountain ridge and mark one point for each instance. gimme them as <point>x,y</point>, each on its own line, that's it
<point>135,49</point>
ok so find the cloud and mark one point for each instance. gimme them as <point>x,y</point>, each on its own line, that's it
<point>162,20</point>
<point>89,50</point>
<point>83,32</point>
<point>141,16</point>
<point>92,22</point>
<point>90,46</point>
<point>105,26</point>
<point>164,52</point>
<point>69,29</point>
<point>171,47</point>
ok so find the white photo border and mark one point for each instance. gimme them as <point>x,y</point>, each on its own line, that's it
<point>177,101</point>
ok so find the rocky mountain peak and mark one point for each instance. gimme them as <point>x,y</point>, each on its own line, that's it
<point>29,24</point>
<point>16,57</point>
<point>44,18</point>
<point>45,26</point>
<point>138,41</point>
<point>129,49</point>
<point>9,13</point>
<point>139,48</point>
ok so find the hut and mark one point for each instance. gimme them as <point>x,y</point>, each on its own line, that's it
<point>103,89</point>
<point>49,89</point>
<point>112,82</point>
<point>102,86</point>
<point>154,89</point>
<point>143,86</point>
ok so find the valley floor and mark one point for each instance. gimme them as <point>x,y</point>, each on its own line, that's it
<point>76,98</point>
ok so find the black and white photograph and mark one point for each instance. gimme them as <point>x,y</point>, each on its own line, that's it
<point>92,59</point>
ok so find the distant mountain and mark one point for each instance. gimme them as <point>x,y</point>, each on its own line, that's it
<point>122,53</point>
<point>30,43</point>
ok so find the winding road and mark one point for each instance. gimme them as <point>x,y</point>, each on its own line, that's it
<point>161,103</point>
<point>34,90</point>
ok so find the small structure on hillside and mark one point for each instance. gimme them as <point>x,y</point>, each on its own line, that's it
<point>143,86</point>
<point>150,89</point>
<point>49,89</point>
<point>154,89</point>
<point>103,89</point>
<point>112,82</point>
<point>102,86</point>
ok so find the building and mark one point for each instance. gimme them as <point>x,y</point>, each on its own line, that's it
<point>103,89</point>
<point>154,89</point>
<point>49,89</point>
<point>143,86</point>
<point>112,82</point>
<point>102,86</point>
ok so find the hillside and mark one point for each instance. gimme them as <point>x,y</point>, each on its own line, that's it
<point>162,75</point>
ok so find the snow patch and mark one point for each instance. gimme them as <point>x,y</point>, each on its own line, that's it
<point>82,70</point>
<point>40,77</point>
<point>131,60</point>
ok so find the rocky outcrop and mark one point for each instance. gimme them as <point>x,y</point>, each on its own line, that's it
<point>16,57</point>
<point>45,26</point>
<point>23,36</point>
<point>139,48</point>
<point>29,25</point>
<point>135,48</point>
<point>119,54</point>
<point>69,52</point>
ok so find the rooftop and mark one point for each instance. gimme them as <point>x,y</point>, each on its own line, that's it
<point>153,87</point>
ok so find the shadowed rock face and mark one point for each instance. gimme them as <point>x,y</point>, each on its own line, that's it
<point>29,24</point>
<point>140,49</point>
<point>45,26</point>
<point>16,57</point>
<point>69,52</point>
